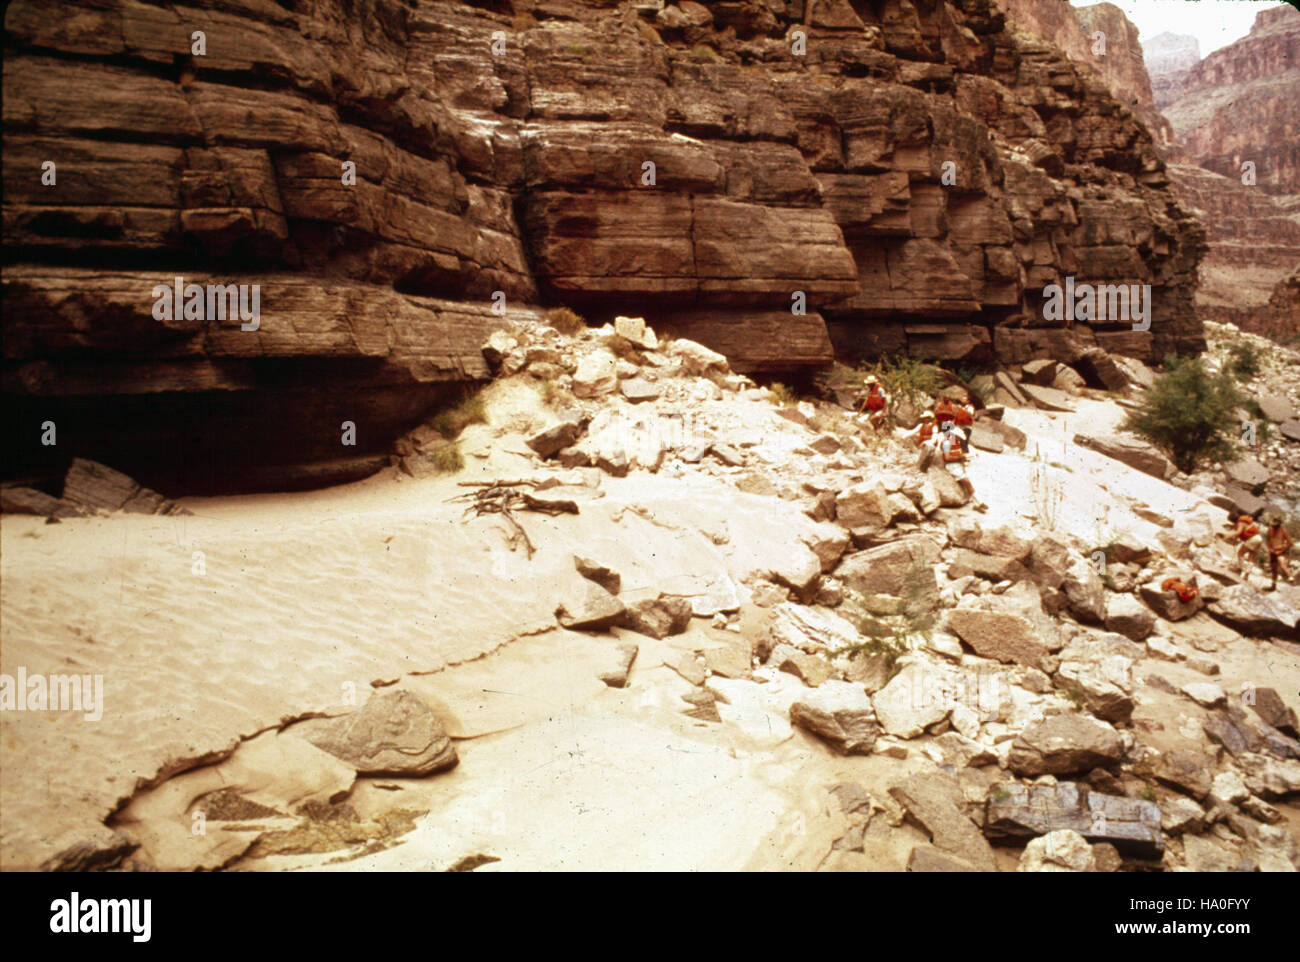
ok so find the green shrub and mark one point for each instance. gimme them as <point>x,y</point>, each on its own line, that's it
<point>1187,413</point>
<point>702,53</point>
<point>447,459</point>
<point>566,321</point>
<point>906,378</point>
<point>1244,360</point>
<point>890,635</point>
<point>471,409</point>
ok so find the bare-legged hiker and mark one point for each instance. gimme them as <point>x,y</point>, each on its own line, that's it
<point>1248,536</point>
<point>953,455</point>
<point>1279,543</point>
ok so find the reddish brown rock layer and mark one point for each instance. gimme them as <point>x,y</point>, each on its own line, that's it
<point>909,171</point>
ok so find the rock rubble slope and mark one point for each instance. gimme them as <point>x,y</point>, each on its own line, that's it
<point>694,629</point>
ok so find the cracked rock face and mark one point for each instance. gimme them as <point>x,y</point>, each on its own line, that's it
<point>912,181</point>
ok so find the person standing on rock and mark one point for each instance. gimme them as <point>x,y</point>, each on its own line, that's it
<point>876,403</point>
<point>953,455</point>
<point>1247,533</point>
<point>1279,543</point>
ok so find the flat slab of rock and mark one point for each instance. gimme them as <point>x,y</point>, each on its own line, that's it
<point>986,438</point>
<point>394,733</point>
<point>1276,407</point>
<point>593,609</point>
<point>916,698</point>
<point>1007,637</point>
<point>19,500</point>
<point>1290,430</point>
<point>884,570</point>
<point>637,390</point>
<point>1136,453</point>
<point>1249,474</point>
<point>1017,811</point>
<point>935,800</point>
<point>1204,693</point>
<point>1048,398</point>
<point>1252,613</point>
<point>1064,745</point>
<point>838,712</point>
<point>927,859</point>
<point>92,485</point>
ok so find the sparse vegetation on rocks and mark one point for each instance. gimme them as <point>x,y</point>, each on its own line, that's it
<point>1188,413</point>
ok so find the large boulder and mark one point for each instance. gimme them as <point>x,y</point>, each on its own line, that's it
<point>838,712</point>
<point>1064,745</point>
<point>1249,474</point>
<point>935,800</point>
<point>884,570</point>
<point>1167,604</point>
<point>1136,453</point>
<point>1060,851</point>
<point>916,698</point>
<point>90,486</point>
<point>597,375</point>
<point>1014,810</point>
<point>1127,616</point>
<point>1276,407</point>
<point>1005,636</point>
<point>394,733</point>
<point>1252,613</point>
<point>1085,592</point>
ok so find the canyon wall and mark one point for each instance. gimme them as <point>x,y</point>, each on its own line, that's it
<point>1237,104</point>
<point>1242,103</point>
<point>399,178</point>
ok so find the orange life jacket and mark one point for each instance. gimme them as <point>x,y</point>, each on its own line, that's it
<point>1185,592</point>
<point>1246,529</point>
<point>926,432</point>
<point>963,417</point>
<point>876,398</point>
<point>954,451</point>
<point>944,411</point>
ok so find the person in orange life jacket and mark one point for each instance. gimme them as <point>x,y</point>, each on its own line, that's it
<point>953,455</point>
<point>945,412</point>
<point>1246,531</point>
<point>924,431</point>
<point>1279,543</point>
<point>1185,592</point>
<point>964,418</point>
<point>876,403</point>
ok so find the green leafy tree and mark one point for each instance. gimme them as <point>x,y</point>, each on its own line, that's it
<point>1187,413</point>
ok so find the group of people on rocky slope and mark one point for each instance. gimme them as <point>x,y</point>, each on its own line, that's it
<point>944,432</point>
<point>1277,540</point>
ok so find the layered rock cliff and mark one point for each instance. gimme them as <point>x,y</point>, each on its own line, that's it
<point>1239,104</point>
<point>1252,239</point>
<point>911,174</point>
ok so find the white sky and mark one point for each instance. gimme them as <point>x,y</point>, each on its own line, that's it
<point>1214,23</point>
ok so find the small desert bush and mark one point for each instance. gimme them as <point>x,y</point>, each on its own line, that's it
<point>1244,360</point>
<point>566,321</point>
<point>471,409</point>
<point>447,459</point>
<point>621,347</point>
<point>906,378</point>
<point>891,635</point>
<point>523,21</point>
<point>1187,413</point>
<point>781,394</point>
<point>702,53</point>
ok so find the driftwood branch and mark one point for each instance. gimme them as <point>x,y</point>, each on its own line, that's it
<point>504,498</point>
